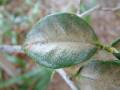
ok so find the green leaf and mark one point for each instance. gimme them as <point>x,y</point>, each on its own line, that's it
<point>100,75</point>
<point>61,40</point>
<point>43,82</point>
<point>3,2</point>
<point>117,55</point>
<point>5,26</point>
<point>44,73</point>
<point>86,5</point>
<point>116,44</point>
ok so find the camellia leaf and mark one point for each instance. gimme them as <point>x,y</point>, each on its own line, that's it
<point>61,40</point>
<point>100,75</point>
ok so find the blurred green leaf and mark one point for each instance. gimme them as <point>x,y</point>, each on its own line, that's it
<point>61,40</point>
<point>15,60</point>
<point>41,84</point>
<point>14,38</point>
<point>5,25</point>
<point>86,5</point>
<point>3,2</point>
<point>29,2</point>
<point>117,55</point>
<point>44,73</point>
<point>116,44</point>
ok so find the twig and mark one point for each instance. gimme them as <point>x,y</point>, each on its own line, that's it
<point>11,49</point>
<point>88,12</point>
<point>111,9</point>
<point>63,74</point>
<point>18,49</point>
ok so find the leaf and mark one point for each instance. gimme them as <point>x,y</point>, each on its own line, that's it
<point>100,75</point>
<point>86,5</point>
<point>5,26</point>
<point>7,66</point>
<point>117,55</point>
<point>61,40</point>
<point>116,44</point>
<point>42,72</point>
<point>43,82</point>
<point>4,2</point>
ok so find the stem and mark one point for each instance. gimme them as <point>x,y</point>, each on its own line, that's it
<point>107,48</point>
<point>63,74</point>
<point>88,12</point>
<point>11,49</point>
<point>112,9</point>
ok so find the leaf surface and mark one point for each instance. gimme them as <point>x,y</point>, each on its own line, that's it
<point>61,40</point>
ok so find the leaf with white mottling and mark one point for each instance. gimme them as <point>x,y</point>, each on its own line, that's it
<point>61,40</point>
